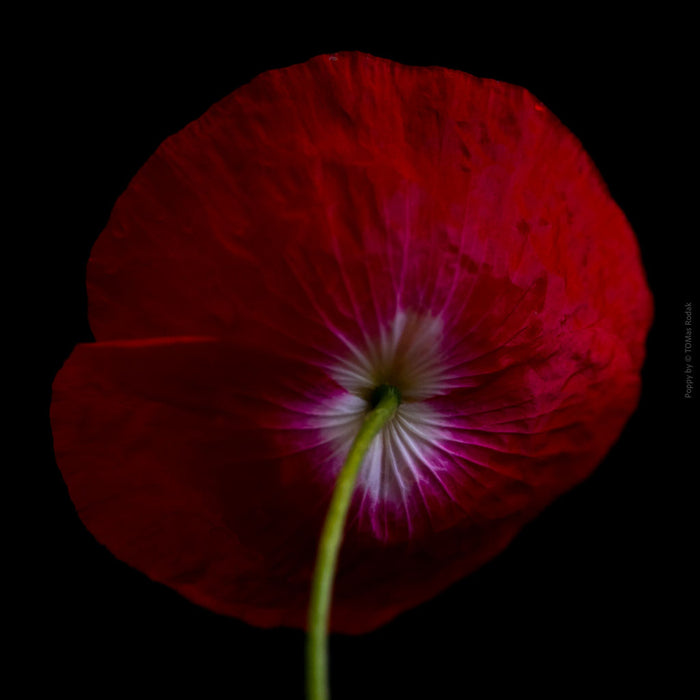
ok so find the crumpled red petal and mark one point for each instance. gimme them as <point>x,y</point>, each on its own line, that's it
<point>258,259</point>
<point>180,461</point>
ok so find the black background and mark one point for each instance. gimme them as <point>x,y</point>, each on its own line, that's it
<point>596,591</point>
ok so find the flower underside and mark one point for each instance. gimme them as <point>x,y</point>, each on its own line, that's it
<point>326,230</point>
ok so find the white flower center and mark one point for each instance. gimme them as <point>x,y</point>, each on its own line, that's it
<point>402,457</point>
<point>406,356</point>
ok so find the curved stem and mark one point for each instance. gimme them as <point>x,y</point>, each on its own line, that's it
<point>386,400</point>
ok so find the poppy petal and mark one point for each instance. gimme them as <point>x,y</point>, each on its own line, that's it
<point>175,459</point>
<point>325,229</point>
<point>181,462</point>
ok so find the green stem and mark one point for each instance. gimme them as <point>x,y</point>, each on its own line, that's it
<point>386,400</point>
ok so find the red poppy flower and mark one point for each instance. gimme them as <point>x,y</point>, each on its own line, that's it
<point>329,228</point>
